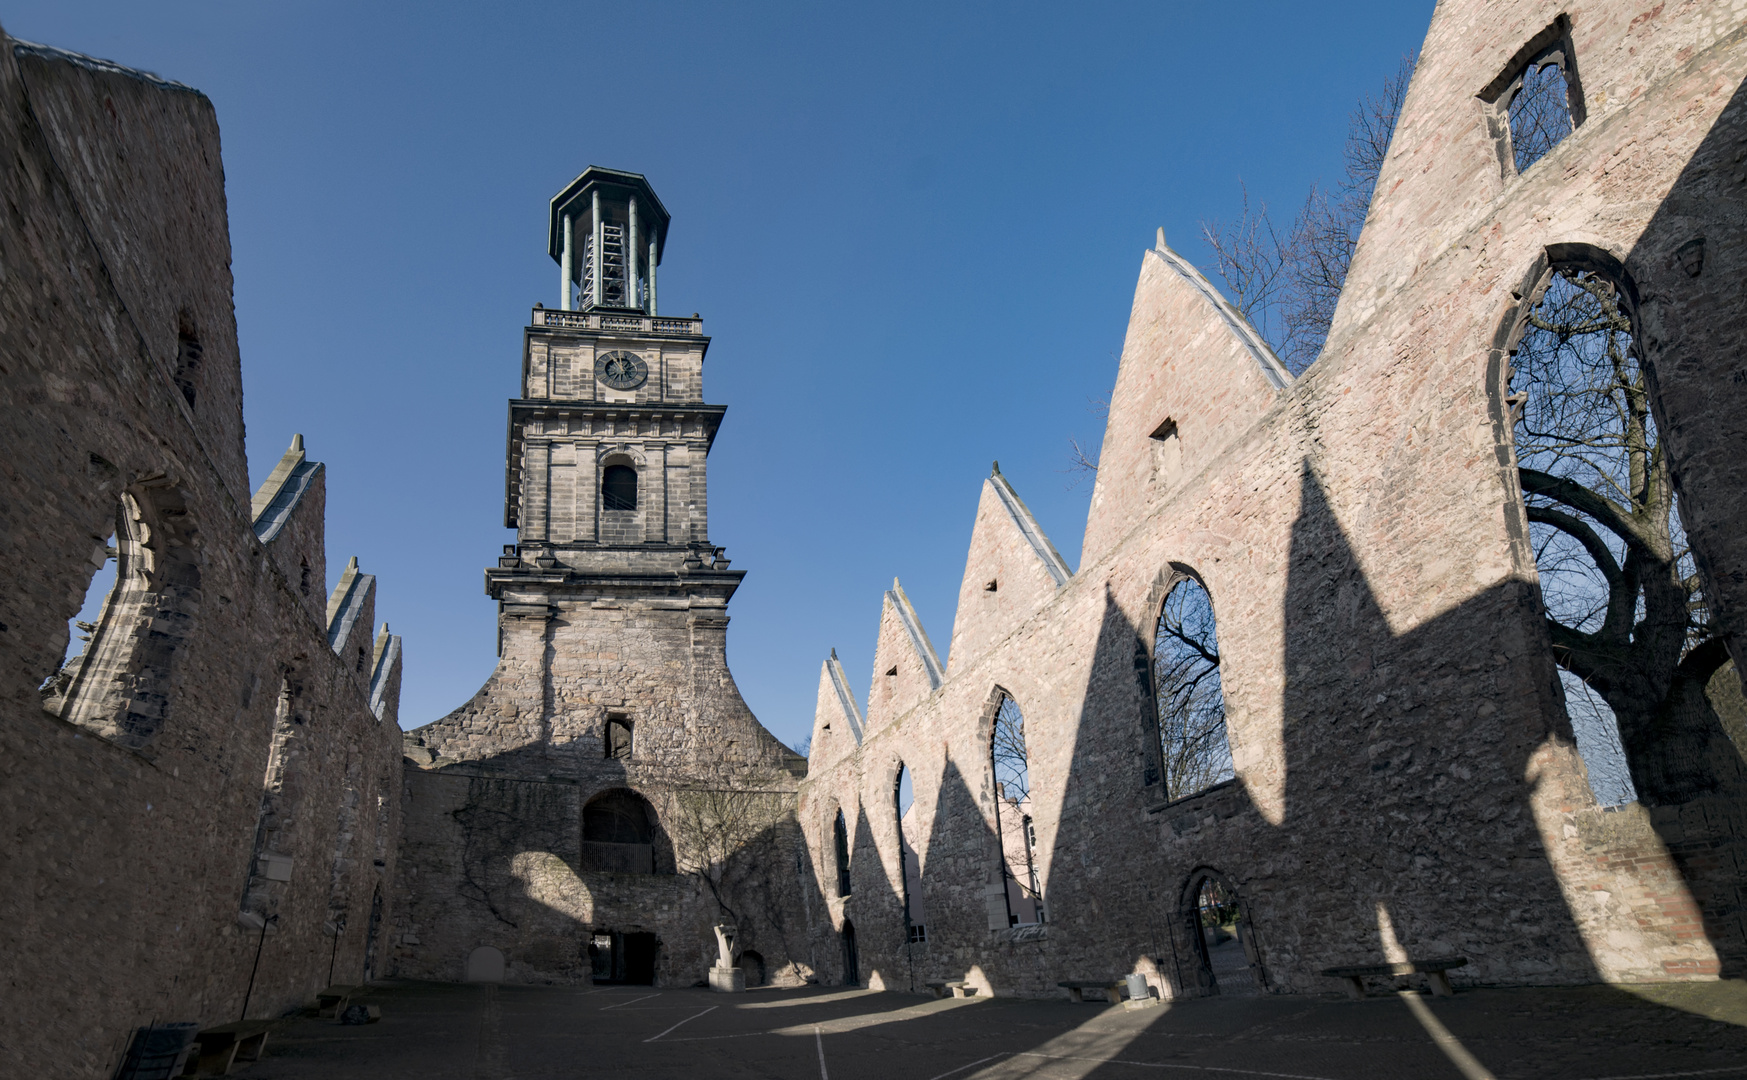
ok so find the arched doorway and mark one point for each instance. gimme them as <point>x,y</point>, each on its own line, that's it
<point>752,963</point>
<point>1222,937</point>
<point>851,958</point>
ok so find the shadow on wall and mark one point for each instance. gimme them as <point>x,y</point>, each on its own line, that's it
<point>538,869</point>
<point>1408,826</point>
<point>1688,267</point>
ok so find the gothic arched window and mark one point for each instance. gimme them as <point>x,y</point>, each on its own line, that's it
<point>1191,699</point>
<point>619,488</point>
<point>840,834</point>
<point>1012,768</point>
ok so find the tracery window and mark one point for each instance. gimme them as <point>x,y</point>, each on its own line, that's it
<point>1647,679</point>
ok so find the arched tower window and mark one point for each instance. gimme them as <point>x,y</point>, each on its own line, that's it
<point>619,488</point>
<point>1647,679</point>
<point>1011,763</point>
<point>1191,700</point>
<point>840,838</point>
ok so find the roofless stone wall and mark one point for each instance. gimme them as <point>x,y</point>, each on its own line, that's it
<point>208,763</point>
<point>1406,782</point>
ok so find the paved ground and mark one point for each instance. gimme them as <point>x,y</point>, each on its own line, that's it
<point>493,1032</point>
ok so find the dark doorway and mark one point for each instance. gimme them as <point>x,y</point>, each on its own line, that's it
<point>622,958</point>
<point>851,958</point>
<point>752,963</point>
<point>640,959</point>
<point>1226,941</point>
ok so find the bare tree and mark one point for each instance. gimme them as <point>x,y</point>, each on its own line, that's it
<point>1624,607</point>
<point>1083,460</point>
<point>1191,700</point>
<point>1012,768</point>
<point>1288,285</point>
<point>717,831</point>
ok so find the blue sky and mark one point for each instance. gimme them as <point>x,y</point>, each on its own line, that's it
<point>912,230</point>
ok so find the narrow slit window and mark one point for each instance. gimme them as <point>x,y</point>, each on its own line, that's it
<point>840,838</point>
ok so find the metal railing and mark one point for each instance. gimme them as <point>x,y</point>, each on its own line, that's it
<point>595,320</point>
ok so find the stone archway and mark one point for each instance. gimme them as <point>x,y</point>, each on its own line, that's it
<point>1221,937</point>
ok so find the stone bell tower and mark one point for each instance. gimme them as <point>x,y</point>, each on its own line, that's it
<point>610,436</point>
<point>612,696</point>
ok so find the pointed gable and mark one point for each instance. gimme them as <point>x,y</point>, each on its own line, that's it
<point>906,667</point>
<point>1194,377</point>
<point>351,611</point>
<point>385,677</point>
<point>1012,570</point>
<point>837,727</point>
<point>288,513</point>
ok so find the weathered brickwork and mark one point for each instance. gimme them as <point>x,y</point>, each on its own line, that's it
<point>1407,782</point>
<point>609,615</point>
<point>210,764</point>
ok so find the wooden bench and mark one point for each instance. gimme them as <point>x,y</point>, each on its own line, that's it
<point>1432,969</point>
<point>329,1002</point>
<point>1077,988</point>
<point>225,1045</point>
<point>957,989</point>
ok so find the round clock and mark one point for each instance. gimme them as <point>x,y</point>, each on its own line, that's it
<point>621,370</point>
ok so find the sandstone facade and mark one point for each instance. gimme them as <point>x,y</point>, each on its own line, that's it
<point>222,756</point>
<point>1406,778</point>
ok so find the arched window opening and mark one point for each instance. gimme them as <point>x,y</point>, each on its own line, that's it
<point>618,833</point>
<point>282,790</point>
<point>1648,683</point>
<point>910,866</point>
<point>1537,100</point>
<point>131,631</point>
<point>1221,938</point>
<point>1191,699</point>
<point>83,626</point>
<point>619,488</point>
<point>1012,769</point>
<point>840,843</point>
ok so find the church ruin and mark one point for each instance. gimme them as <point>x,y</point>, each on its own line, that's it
<point>1313,698</point>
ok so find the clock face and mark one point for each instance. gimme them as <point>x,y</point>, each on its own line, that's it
<point>621,370</point>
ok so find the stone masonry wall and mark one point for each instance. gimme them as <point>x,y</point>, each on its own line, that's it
<point>1407,782</point>
<point>495,793</point>
<point>135,807</point>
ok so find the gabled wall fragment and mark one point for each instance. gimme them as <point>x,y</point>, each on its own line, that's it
<point>1011,570</point>
<point>1194,377</point>
<point>906,667</point>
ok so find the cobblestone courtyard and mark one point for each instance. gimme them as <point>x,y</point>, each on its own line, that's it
<point>495,1032</point>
